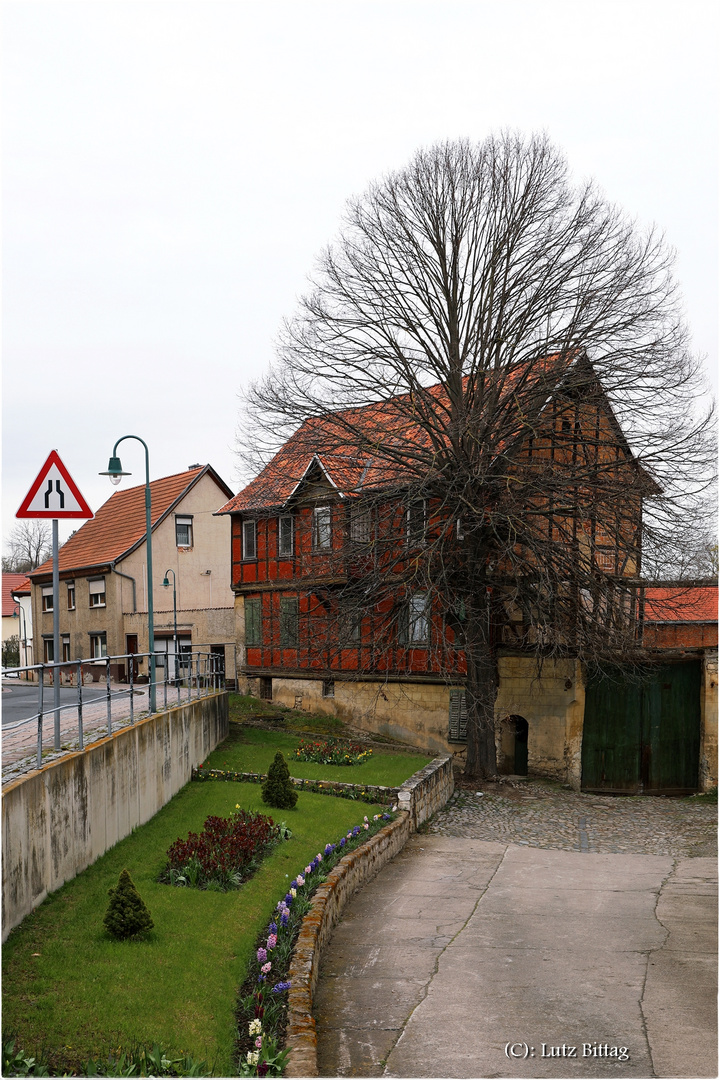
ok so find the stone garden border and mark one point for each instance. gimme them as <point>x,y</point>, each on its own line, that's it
<point>418,798</point>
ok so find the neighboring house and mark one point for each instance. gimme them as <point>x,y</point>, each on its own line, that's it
<point>293,525</point>
<point>21,594</point>
<point>103,577</point>
<point>11,618</point>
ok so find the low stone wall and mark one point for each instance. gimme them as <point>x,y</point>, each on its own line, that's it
<point>419,797</point>
<point>59,819</point>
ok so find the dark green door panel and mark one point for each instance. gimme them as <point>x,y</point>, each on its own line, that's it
<point>643,734</point>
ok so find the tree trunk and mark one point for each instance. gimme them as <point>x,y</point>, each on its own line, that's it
<point>481,691</point>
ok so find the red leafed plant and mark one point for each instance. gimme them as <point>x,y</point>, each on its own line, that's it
<point>226,853</point>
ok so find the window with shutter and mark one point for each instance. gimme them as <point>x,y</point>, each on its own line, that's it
<point>253,622</point>
<point>458,715</point>
<point>289,621</point>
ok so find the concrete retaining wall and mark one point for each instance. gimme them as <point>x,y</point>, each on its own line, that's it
<point>419,797</point>
<point>59,819</point>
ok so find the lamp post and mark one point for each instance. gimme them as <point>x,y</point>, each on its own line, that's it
<point>166,585</point>
<point>115,472</point>
<point>23,631</point>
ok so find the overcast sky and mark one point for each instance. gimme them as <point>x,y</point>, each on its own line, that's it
<point>172,169</point>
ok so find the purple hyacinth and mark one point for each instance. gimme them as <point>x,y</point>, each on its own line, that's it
<point>329,848</point>
<point>262,956</point>
<point>288,899</point>
<point>278,988</point>
<point>272,928</point>
<point>284,918</point>
<point>342,842</point>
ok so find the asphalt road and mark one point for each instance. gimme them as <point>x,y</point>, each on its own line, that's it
<point>20,700</point>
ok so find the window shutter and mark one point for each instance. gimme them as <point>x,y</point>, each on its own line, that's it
<point>458,715</point>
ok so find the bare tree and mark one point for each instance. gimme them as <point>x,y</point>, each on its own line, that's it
<point>29,545</point>
<point>499,360</point>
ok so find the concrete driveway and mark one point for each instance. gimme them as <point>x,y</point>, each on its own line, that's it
<point>474,958</point>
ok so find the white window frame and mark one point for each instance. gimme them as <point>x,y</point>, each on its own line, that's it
<point>322,528</point>
<point>184,521</point>
<point>47,598</point>
<point>286,551</point>
<point>98,640</point>
<point>249,533</point>
<point>71,593</point>
<point>419,619</point>
<point>95,591</point>
<point>413,534</point>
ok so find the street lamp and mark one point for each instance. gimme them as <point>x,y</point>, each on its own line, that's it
<point>23,630</point>
<point>166,585</point>
<point>115,472</point>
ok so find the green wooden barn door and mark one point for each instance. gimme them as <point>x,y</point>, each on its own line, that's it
<point>643,735</point>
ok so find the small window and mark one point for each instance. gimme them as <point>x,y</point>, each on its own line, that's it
<point>460,529</point>
<point>48,650</point>
<point>322,527</point>
<point>97,592</point>
<point>285,536</point>
<point>458,715</point>
<point>289,618</point>
<point>359,524</point>
<point>71,595</point>
<point>328,688</point>
<point>249,540</point>
<point>184,531</point>
<point>415,521</point>
<point>98,645</point>
<point>47,597</point>
<point>414,627</point>
<point>265,688</point>
<point>66,648</point>
<point>253,622</point>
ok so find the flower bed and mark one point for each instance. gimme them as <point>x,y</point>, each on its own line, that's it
<point>226,853</point>
<point>262,1005</point>
<point>369,793</point>
<point>332,753</point>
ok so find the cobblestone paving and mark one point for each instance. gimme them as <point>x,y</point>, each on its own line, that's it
<point>543,814</point>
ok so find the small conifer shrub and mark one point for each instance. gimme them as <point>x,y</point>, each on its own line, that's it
<point>126,916</point>
<point>278,789</point>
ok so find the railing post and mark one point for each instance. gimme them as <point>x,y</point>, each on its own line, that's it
<point>80,706</point>
<point>131,672</point>
<point>40,715</point>
<point>165,677</point>
<point>109,699</point>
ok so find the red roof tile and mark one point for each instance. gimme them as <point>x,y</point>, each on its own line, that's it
<point>119,524</point>
<point>10,583</point>
<point>677,603</point>
<point>352,467</point>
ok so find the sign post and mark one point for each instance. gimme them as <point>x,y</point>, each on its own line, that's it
<point>54,494</point>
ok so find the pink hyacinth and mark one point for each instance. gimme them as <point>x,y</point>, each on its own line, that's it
<point>272,941</point>
<point>266,968</point>
<point>258,1042</point>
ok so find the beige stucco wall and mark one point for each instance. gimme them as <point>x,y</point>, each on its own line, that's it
<point>61,818</point>
<point>195,588</point>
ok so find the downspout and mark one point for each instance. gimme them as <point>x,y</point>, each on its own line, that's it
<point>131,580</point>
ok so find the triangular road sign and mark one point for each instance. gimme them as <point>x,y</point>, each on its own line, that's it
<point>54,494</point>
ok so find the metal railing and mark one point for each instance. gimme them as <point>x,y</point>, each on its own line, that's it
<point>187,676</point>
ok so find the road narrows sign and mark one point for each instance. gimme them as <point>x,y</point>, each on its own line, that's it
<point>54,494</point>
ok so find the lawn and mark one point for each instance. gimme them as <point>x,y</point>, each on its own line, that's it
<point>251,749</point>
<point>70,992</point>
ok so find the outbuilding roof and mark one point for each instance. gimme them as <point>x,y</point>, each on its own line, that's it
<point>681,603</point>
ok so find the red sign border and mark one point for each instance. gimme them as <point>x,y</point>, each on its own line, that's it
<point>25,512</point>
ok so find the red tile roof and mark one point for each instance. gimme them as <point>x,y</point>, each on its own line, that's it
<point>341,442</point>
<point>678,603</point>
<point>10,583</point>
<point>119,524</point>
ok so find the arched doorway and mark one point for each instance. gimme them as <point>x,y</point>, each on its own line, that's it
<point>514,746</point>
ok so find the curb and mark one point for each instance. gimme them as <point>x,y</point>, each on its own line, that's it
<point>353,871</point>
